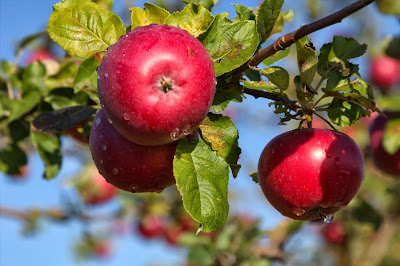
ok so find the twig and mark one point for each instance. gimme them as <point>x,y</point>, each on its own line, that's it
<point>294,105</point>
<point>287,40</point>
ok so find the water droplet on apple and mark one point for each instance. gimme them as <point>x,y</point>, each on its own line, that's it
<point>101,161</point>
<point>126,117</point>
<point>101,136</point>
<point>159,190</point>
<point>97,69</point>
<point>186,130</point>
<point>123,54</point>
<point>104,147</point>
<point>97,122</point>
<point>328,219</point>
<point>109,121</point>
<point>115,171</point>
<point>98,77</point>
<point>299,212</point>
<point>126,36</point>
<point>175,134</point>
<point>344,173</point>
<point>133,189</point>
<point>106,75</point>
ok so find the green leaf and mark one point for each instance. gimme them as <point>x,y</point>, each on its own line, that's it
<point>307,60</point>
<point>48,148</point>
<point>64,78</point>
<point>12,157</point>
<point>261,85</point>
<point>151,14</point>
<point>277,56</point>
<point>195,19</point>
<point>278,76</point>
<point>18,108</point>
<point>393,48</point>
<point>344,113</point>
<point>389,103</point>
<point>391,137</point>
<point>202,179</point>
<point>86,76</point>
<point>6,67</point>
<point>83,27</point>
<point>335,55</point>
<point>224,95</point>
<point>62,119</point>
<point>18,130</point>
<point>389,6</point>
<point>244,13</point>
<point>221,132</point>
<point>267,14</point>
<point>230,44</point>
<point>280,22</point>
<point>33,78</point>
<point>206,3</point>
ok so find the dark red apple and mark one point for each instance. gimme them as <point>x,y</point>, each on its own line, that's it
<point>334,232</point>
<point>151,226</point>
<point>388,163</point>
<point>156,84</point>
<point>96,190</point>
<point>127,165</point>
<point>309,174</point>
<point>385,72</point>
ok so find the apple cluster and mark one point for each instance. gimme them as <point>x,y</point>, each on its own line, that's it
<point>156,85</point>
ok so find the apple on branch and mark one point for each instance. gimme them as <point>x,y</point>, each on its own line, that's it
<point>156,84</point>
<point>309,174</point>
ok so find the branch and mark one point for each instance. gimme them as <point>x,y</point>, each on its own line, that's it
<point>294,105</point>
<point>287,40</point>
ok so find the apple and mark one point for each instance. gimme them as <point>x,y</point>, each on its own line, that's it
<point>156,84</point>
<point>334,232</point>
<point>96,190</point>
<point>102,249</point>
<point>388,163</point>
<point>46,58</point>
<point>309,174</point>
<point>385,72</point>
<point>127,165</point>
<point>77,133</point>
<point>151,226</point>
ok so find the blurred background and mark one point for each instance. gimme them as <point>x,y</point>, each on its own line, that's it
<point>104,241</point>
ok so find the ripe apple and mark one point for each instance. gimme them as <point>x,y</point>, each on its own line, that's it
<point>127,165</point>
<point>388,163</point>
<point>151,226</point>
<point>96,190</point>
<point>309,174</point>
<point>334,232</point>
<point>156,84</point>
<point>385,72</point>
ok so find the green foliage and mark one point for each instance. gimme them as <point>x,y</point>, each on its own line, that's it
<point>277,76</point>
<point>267,14</point>
<point>83,27</point>
<point>393,48</point>
<point>391,137</point>
<point>221,132</point>
<point>202,179</point>
<point>389,6</point>
<point>195,19</point>
<point>230,44</point>
<point>151,14</point>
<point>307,60</point>
<point>277,57</point>
<point>206,3</point>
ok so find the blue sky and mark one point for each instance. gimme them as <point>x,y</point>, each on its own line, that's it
<point>53,246</point>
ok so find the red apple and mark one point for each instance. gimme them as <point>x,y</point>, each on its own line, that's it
<point>102,250</point>
<point>127,165</point>
<point>76,133</point>
<point>334,232</point>
<point>151,226</point>
<point>172,234</point>
<point>96,190</point>
<point>309,174</point>
<point>39,55</point>
<point>388,163</point>
<point>385,72</point>
<point>156,84</point>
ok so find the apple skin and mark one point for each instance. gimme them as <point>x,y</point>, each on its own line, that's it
<point>127,165</point>
<point>388,163</point>
<point>130,79</point>
<point>151,226</point>
<point>384,72</point>
<point>310,173</point>
<point>97,190</point>
<point>334,232</point>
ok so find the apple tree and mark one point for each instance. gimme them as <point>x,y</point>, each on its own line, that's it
<point>149,101</point>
